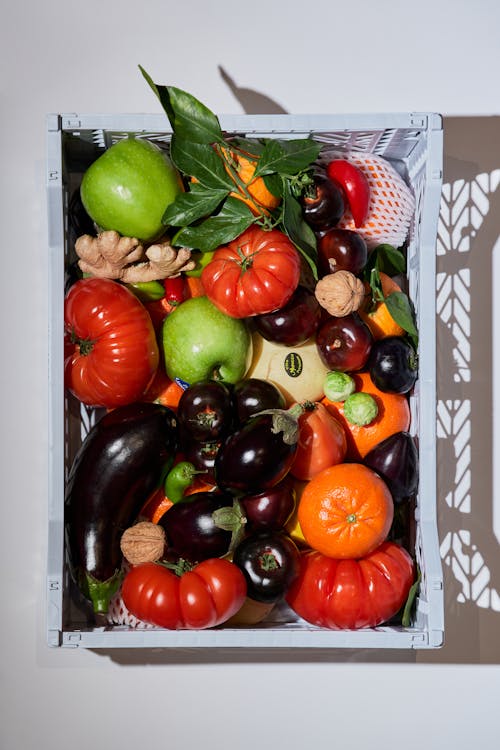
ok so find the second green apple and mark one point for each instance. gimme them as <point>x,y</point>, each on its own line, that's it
<point>200,342</point>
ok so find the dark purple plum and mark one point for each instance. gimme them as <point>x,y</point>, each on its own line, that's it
<point>270,509</point>
<point>344,343</point>
<point>341,250</point>
<point>294,323</point>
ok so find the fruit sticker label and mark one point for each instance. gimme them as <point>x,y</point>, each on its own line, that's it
<point>293,364</point>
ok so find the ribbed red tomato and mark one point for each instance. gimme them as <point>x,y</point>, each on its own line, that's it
<point>351,594</point>
<point>254,274</point>
<point>206,596</point>
<point>322,441</point>
<point>111,353</point>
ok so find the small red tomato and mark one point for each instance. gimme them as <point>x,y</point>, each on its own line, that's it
<point>203,597</point>
<point>322,442</point>
<point>254,274</point>
<point>355,185</point>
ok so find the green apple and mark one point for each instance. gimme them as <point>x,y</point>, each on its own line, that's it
<point>129,187</point>
<point>200,342</point>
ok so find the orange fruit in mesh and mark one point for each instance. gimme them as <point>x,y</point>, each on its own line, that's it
<point>345,511</point>
<point>393,416</point>
<point>379,320</point>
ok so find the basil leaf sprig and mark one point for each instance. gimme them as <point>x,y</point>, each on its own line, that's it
<point>390,260</point>
<point>207,214</point>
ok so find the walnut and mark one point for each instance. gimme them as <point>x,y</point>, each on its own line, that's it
<point>111,256</point>
<point>143,542</point>
<point>340,293</point>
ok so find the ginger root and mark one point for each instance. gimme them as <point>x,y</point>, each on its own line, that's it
<point>111,256</point>
<point>340,293</point>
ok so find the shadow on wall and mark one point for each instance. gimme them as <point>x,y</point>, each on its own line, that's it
<point>469,231</point>
<point>469,531</point>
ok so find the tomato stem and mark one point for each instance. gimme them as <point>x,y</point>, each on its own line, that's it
<point>85,346</point>
<point>179,568</point>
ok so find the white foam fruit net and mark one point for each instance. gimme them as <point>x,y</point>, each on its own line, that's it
<point>392,203</point>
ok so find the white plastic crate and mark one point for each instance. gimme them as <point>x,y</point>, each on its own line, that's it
<point>413,144</point>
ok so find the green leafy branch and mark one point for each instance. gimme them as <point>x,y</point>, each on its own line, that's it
<point>207,214</point>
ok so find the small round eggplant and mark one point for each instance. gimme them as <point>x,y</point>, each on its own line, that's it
<point>271,509</point>
<point>258,455</point>
<point>323,203</point>
<point>393,365</point>
<point>203,525</point>
<point>396,460</point>
<point>253,395</point>
<point>270,562</point>
<point>202,455</point>
<point>205,411</point>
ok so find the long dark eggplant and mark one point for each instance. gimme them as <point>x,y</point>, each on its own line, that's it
<point>121,461</point>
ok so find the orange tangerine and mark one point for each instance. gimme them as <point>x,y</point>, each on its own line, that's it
<point>393,416</point>
<point>379,320</point>
<point>346,511</point>
<point>260,199</point>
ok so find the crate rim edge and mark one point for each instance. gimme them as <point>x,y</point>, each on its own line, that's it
<point>262,124</point>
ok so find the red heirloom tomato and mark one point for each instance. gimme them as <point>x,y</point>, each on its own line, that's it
<point>254,274</point>
<point>206,596</point>
<point>351,594</point>
<point>322,441</point>
<point>111,353</point>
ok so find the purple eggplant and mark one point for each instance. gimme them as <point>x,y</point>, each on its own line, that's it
<point>270,562</point>
<point>258,455</point>
<point>253,395</point>
<point>393,365</point>
<point>203,525</point>
<point>396,460</point>
<point>121,461</point>
<point>205,411</point>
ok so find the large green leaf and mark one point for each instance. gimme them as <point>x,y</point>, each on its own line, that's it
<point>190,119</point>
<point>193,205</point>
<point>400,309</point>
<point>233,218</point>
<point>200,161</point>
<point>287,157</point>
<point>385,258</point>
<point>298,230</point>
<point>252,146</point>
